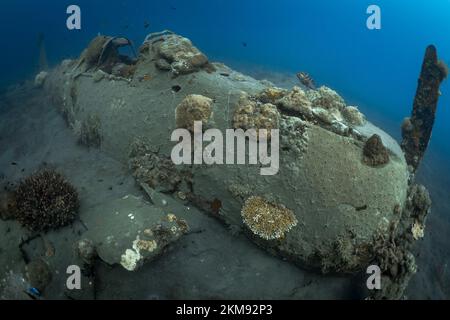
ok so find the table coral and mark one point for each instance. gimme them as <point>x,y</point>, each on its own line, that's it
<point>267,220</point>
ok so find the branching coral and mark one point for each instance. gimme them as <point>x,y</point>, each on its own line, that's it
<point>393,253</point>
<point>294,135</point>
<point>45,201</point>
<point>271,95</point>
<point>267,220</point>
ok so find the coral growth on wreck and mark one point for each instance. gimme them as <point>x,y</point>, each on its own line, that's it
<point>86,251</point>
<point>153,241</point>
<point>353,116</point>
<point>252,114</point>
<point>296,101</point>
<point>177,54</point>
<point>267,220</point>
<point>45,201</point>
<point>158,172</point>
<point>393,254</point>
<point>294,135</point>
<point>271,95</point>
<point>374,152</point>
<point>322,107</point>
<point>443,68</point>
<point>325,98</point>
<point>417,133</point>
<point>193,108</point>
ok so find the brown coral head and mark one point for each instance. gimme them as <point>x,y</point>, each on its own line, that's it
<point>46,201</point>
<point>267,220</point>
<point>374,152</point>
<point>251,114</point>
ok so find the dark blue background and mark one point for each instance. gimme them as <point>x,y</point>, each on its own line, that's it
<point>376,70</point>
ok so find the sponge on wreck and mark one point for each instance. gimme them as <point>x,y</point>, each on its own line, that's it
<point>193,108</point>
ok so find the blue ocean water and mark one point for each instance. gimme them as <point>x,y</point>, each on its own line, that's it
<point>374,69</point>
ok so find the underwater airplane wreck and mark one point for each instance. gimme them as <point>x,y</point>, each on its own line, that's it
<point>344,197</point>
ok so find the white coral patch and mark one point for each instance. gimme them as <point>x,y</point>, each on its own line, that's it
<point>130,259</point>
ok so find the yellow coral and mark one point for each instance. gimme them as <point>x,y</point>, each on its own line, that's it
<point>296,99</point>
<point>271,94</point>
<point>267,220</point>
<point>193,108</point>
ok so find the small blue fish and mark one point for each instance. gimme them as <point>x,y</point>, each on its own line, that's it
<point>34,292</point>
